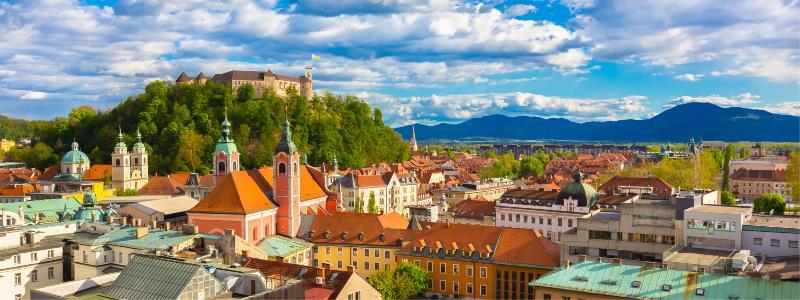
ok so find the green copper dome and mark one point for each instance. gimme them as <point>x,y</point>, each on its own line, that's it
<point>584,193</point>
<point>286,145</point>
<point>139,144</point>
<point>75,155</point>
<point>225,143</point>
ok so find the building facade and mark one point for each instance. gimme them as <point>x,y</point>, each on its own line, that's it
<point>260,81</point>
<point>129,171</point>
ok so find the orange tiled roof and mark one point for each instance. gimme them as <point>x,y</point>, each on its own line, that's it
<point>369,180</point>
<point>50,172</point>
<point>537,249</point>
<point>16,190</point>
<point>159,185</point>
<point>236,193</point>
<point>334,280</point>
<point>448,233</point>
<point>97,172</point>
<point>180,178</point>
<point>309,188</point>
<point>473,209</point>
<point>392,225</point>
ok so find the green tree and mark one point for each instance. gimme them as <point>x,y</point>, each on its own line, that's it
<point>744,151</point>
<point>245,93</point>
<point>726,167</point>
<point>372,206</point>
<point>359,205</point>
<point>793,175</point>
<point>405,281</point>
<point>726,198</point>
<point>192,146</point>
<point>40,156</point>
<point>769,202</point>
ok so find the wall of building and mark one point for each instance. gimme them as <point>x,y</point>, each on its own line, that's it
<point>481,279</point>
<point>545,293</point>
<point>787,243</point>
<point>356,284</point>
<point>714,238</point>
<point>24,269</point>
<point>353,255</point>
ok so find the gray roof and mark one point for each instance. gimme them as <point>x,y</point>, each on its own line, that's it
<point>152,277</point>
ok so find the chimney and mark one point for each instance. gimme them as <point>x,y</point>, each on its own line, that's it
<point>701,270</point>
<point>137,222</point>
<point>123,221</point>
<point>321,275</point>
<point>190,229</point>
<point>94,217</point>
<point>153,224</point>
<point>350,269</point>
<point>140,232</point>
<point>228,247</point>
<point>566,263</point>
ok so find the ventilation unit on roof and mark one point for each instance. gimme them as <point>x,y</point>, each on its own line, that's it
<point>580,278</point>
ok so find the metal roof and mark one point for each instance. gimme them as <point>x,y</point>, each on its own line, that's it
<point>281,246</point>
<point>154,239</point>
<point>613,279</point>
<point>151,277</point>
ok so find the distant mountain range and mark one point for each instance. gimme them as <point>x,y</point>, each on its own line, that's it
<point>677,124</point>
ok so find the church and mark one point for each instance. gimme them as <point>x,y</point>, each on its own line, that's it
<point>259,203</point>
<point>129,170</point>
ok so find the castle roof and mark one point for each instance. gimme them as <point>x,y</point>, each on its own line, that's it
<point>201,76</point>
<point>183,77</point>
<point>254,76</point>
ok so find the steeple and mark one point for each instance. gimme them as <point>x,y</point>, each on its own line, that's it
<point>335,164</point>
<point>139,145</point>
<point>286,145</point>
<point>120,143</point>
<point>413,143</point>
<point>226,155</point>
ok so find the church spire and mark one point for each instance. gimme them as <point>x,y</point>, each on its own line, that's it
<point>413,143</point>
<point>286,144</point>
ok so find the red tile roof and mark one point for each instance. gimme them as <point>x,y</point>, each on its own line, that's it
<point>526,247</point>
<point>391,225</point>
<point>236,193</point>
<point>334,280</point>
<point>309,188</point>
<point>473,209</point>
<point>50,172</point>
<point>160,185</point>
<point>759,175</point>
<point>97,173</point>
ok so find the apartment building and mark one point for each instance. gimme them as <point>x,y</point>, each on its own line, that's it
<point>393,191</point>
<point>771,235</point>
<point>368,243</point>
<point>29,259</point>
<point>642,229</point>
<point>715,227</point>
<point>487,263</point>
<point>489,189</point>
<point>552,213</point>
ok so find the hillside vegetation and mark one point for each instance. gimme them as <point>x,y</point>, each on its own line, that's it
<point>180,125</point>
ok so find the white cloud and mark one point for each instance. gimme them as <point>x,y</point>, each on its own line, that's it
<point>459,107</point>
<point>689,77</point>
<point>784,108</point>
<point>739,100</point>
<point>520,9</point>
<point>33,95</point>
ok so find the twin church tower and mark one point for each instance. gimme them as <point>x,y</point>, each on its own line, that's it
<point>129,170</point>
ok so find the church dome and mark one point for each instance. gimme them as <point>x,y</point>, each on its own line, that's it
<point>584,193</point>
<point>75,155</point>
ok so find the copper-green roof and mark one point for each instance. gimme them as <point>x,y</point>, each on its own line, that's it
<point>75,155</point>
<point>49,210</point>
<point>281,246</point>
<point>611,279</point>
<point>155,238</point>
<point>578,190</point>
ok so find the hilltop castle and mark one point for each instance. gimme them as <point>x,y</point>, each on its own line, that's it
<point>259,80</point>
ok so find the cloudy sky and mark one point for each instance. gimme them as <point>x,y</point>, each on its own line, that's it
<point>419,61</point>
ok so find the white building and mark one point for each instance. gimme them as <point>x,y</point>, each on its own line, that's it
<point>393,191</point>
<point>129,171</point>
<point>551,213</point>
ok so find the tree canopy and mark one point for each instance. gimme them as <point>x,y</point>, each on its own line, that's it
<point>769,202</point>
<point>175,118</point>
<point>401,283</point>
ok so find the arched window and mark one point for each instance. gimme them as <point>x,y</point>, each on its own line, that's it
<point>117,162</point>
<point>221,167</point>
<point>296,170</point>
<point>281,169</point>
<point>68,170</point>
<point>235,167</point>
<point>136,161</point>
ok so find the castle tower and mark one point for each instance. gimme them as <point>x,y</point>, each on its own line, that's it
<point>139,170</point>
<point>308,72</point>
<point>286,192</point>
<point>226,156</point>
<point>121,165</point>
<point>413,143</point>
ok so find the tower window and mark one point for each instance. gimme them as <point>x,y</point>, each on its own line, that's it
<point>136,161</point>
<point>282,169</point>
<point>221,167</point>
<point>117,162</point>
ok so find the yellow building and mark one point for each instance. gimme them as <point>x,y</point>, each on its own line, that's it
<point>487,263</point>
<point>366,242</point>
<point>6,145</point>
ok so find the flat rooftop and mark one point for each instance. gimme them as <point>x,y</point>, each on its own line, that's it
<point>605,216</point>
<point>723,209</point>
<point>698,256</point>
<point>774,221</point>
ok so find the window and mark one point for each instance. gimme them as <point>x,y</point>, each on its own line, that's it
<point>525,219</point>
<point>327,250</point>
<point>541,221</point>
<point>386,254</point>
<point>792,244</point>
<point>549,221</point>
<point>366,252</point>
<point>17,279</point>
<point>366,265</point>
<point>120,257</point>
<point>455,287</point>
<point>569,222</point>
<point>281,169</point>
<point>221,167</point>
<point>666,287</point>
<point>416,263</point>
<point>443,268</point>
<point>339,251</point>
<point>51,273</point>
<point>442,285</point>
<point>339,264</point>
<point>775,242</point>
<point>34,276</point>
<point>354,295</point>
<point>469,288</point>
<point>455,269</point>
<point>502,217</point>
<point>18,297</point>
<point>564,298</point>
<point>757,241</point>
<point>546,297</point>
<point>469,271</point>
<point>85,257</point>
<point>377,266</point>
<point>51,253</point>
<point>355,265</point>
<point>430,266</point>
<point>483,272</point>
<point>16,259</point>
<point>377,253</point>
<point>559,221</point>
<point>517,221</point>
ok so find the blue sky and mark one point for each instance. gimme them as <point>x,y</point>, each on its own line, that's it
<point>419,61</point>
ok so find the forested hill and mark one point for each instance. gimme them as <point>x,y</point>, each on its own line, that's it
<point>180,125</point>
